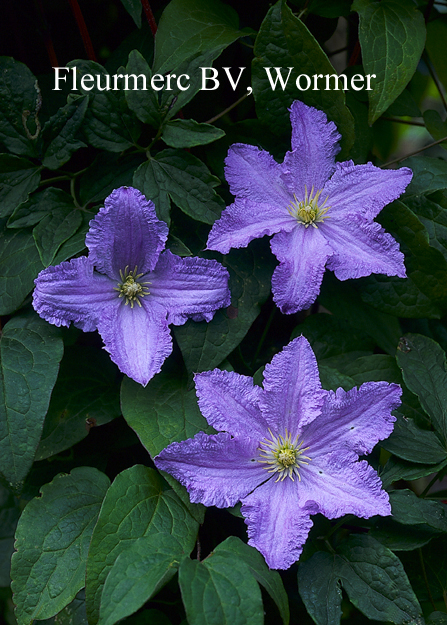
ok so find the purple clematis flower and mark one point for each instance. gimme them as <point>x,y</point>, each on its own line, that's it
<point>321,212</point>
<point>286,451</point>
<point>129,288</point>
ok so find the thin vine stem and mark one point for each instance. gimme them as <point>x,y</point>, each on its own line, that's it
<point>227,110</point>
<point>403,121</point>
<point>83,29</point>
<point>426,59</point>
<point>149,16</point>
<point>401,158</point>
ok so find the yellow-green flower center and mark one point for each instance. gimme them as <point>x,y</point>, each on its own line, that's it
<point>309,211</point>
<point>130,288</point>
<point>283,456</point>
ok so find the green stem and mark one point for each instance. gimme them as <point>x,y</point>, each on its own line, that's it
<point>264,334</point>
<point>73,192</point>
<point>403,121</point>
<point>227,110</point>
<point>424,573</point>
<point>430,145</point>
<point>55,179</point>
<point>426,58</point>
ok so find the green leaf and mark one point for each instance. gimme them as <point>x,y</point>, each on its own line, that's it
<point>429,175</point>
<point>392,38</point>
<point>75,243</point>
<point>108,123</point>
<point>375,581</point>
<point>433,215</point>
<point>435,126</point>
<point>30,351</point>
<point>175,415</point>
<point>144,103</point>
<point>9,515</point>
<point>60,133</point>
<point>86,389</point>
<point>133,7</point>
<point>410,442</point>
<point>220,590</point>
<point>234,548</point>
<point>343,300</point>
<point>392,535</point>
<point>205,345</point>
<point>138,574</point>
<point>19,265</point>
<point>52,539</point>
<point>184,178</point>
<point>186,133</point>
<point>409,509</point>
<point>404,105</point>
<point>54,229</point>
<point>424,292</point>
<point>319,587</point>
<point>423,367</point>
<point>18,178</point>
<point>38,206</point>
<point>331,336</point>
<point>284,41</point>
<point>397,469</point>
<point>437,618</point>
<point>332,379</point>
<point>137,504</point>
<point>436,36</point>
<point>20,102</point>
<point>188,27</point>
<point>106,173</point>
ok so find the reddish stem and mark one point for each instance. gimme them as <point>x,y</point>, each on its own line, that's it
<point>47,36</point>
<point>83,29</point>
<point>355,54</point>
<point>149,16</point>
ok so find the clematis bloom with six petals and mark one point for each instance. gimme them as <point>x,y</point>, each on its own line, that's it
<point>286,451</point>
<point>129,288</point>
<point>319,211</point>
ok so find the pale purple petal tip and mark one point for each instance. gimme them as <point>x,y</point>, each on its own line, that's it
<point>230,402</point>
<point>73,292</point>
<point>293,394</point>
<point>189,287</point>
<point>364,189</point>
<point>137,339</point>
<point>217,470</point>
<point>361,248</point>
<point>276,524</point>
<point>126,233</point>
<point>303,254</point>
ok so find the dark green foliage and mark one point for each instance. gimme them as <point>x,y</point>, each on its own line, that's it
<point>99,535</point>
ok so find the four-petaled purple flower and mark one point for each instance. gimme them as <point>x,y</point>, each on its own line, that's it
<point>286,451</point>
<point>129,288</point>
<point>320,212</point>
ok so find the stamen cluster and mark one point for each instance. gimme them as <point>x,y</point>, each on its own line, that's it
<point>130,288</point>
<point>308,212</point>
<point>283,456</point>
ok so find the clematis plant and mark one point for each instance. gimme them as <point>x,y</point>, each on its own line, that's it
<point>129,288</point>
<point>319,211</point>
<point>286,451</point>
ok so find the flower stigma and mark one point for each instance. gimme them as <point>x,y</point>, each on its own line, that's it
<point>308,212</point>
<point>283,456</point>
<point>130,288</point>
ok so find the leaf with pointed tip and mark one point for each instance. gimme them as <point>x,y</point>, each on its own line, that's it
<point>187,133</point>
<point>284,41</point>
<point>188,27</point>
<point>220,590</point>
<point>138,574</point>
<point>392,38</point>
<point>52,539</point>
<point>60,133</point>
<point>138,503</point>
<point>18,178</point>
<point>30,352</point>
